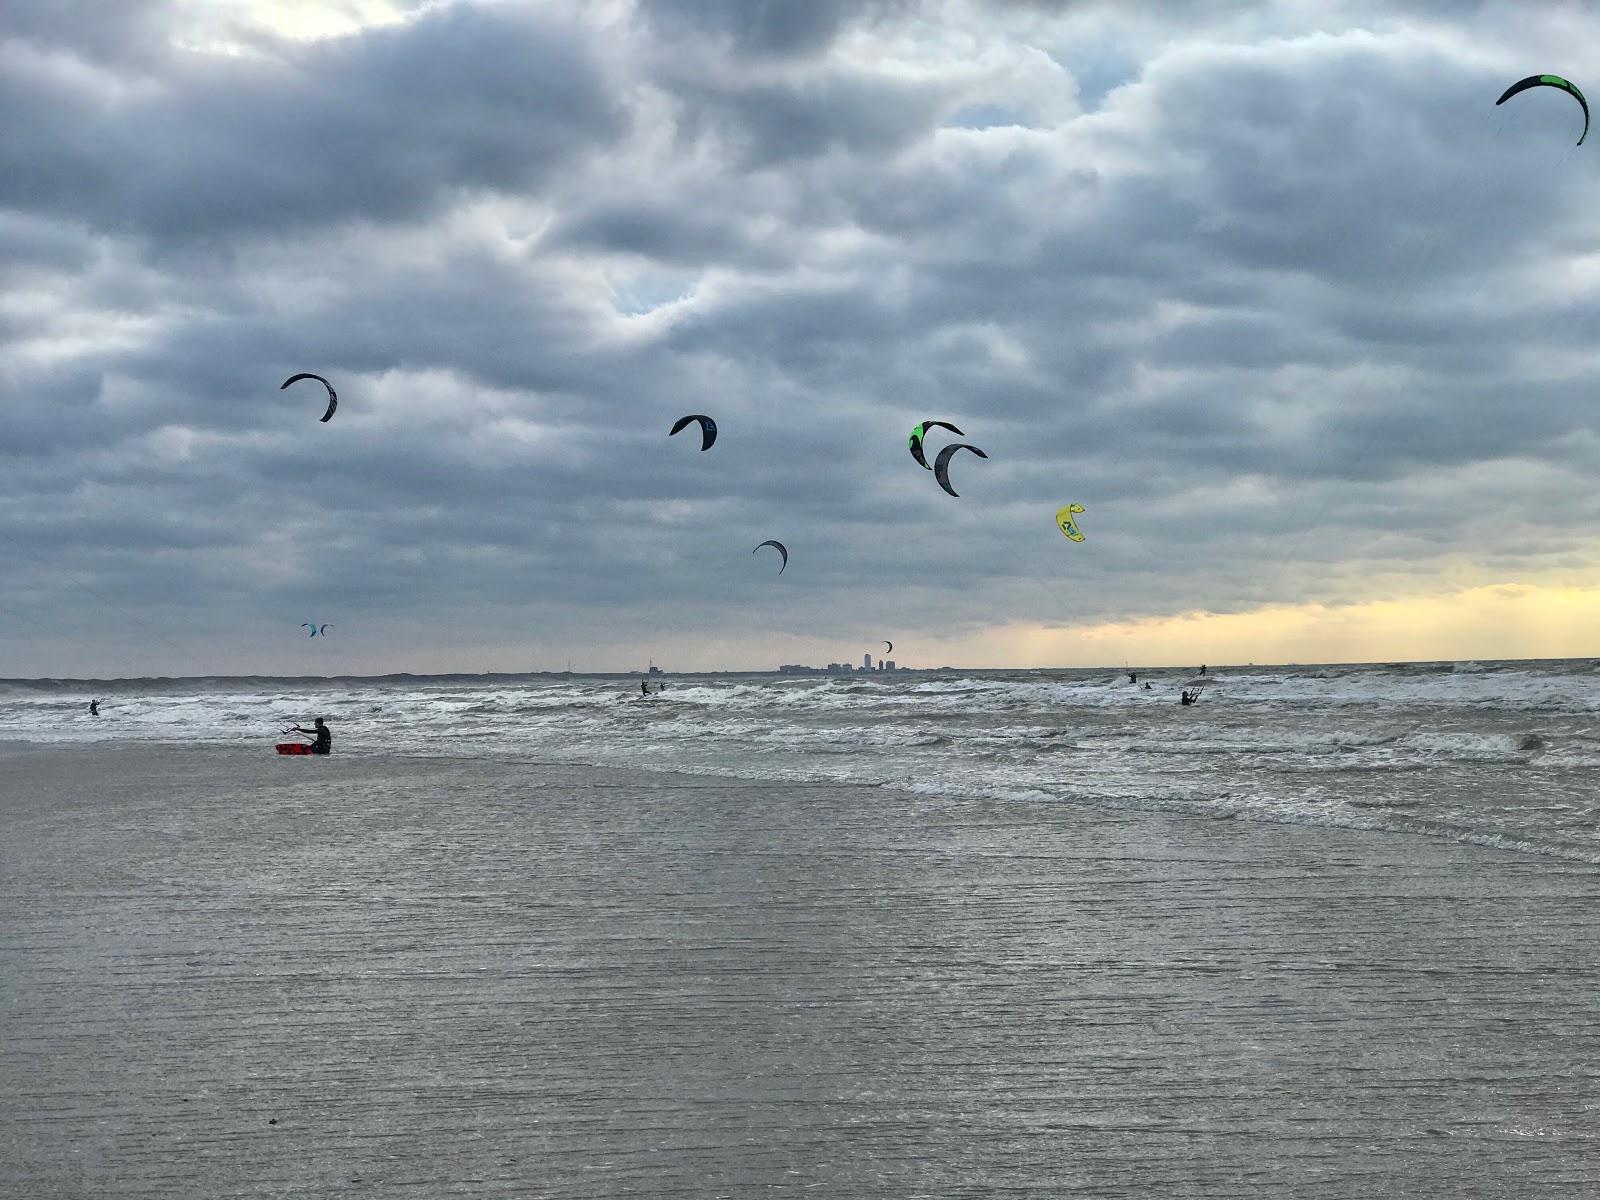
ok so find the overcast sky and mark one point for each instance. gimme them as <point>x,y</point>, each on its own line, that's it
<point>1305,322</point>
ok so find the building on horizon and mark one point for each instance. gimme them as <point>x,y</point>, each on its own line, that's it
<point>836,668</point>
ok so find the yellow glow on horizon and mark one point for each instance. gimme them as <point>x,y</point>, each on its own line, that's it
<point>1496,621</point>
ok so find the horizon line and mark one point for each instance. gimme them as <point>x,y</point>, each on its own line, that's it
<point>634,673</point>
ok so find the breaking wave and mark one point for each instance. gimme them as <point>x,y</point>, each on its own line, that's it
<point>1500,755</point>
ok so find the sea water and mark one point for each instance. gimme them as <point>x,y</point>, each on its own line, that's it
<point>1503,754</point>
<point>441,963</point>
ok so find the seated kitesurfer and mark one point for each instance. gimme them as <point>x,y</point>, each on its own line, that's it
<point>323,735</point>
<point>1133,677</point>
<point>1188,697</point>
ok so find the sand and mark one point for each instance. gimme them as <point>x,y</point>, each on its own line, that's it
<point>223,974</point>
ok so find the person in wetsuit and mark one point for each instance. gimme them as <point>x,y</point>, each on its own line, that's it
<point>1189,697</point>
<point>323,735</point>
<point>94,708</point>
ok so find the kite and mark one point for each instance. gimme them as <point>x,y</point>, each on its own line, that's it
<point>941,465</point>
<point>1554,81</point>
<point>920,431</point>
<point>333,396</point>
<point>708,429</point>
<point>316,629</point>
<point>889,644</point>
<point>1066,524</point>
<point>780,548</point>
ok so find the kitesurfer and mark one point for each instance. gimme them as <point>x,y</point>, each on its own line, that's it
<point>1202,668</point>
<point>1133,677</point>
<point>1148,688</point>
<point>1555,81</point>
<point>94,708</point>
<point>323,735</point>
<point>941,465</point>
<point>708,428</point>
<point>644,687</point>
<point>780,548</point>
<point>1187,697</point>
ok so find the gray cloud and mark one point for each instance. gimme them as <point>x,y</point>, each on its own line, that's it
<point>764,27</point>
<point>129,31</point>
<point>769,124</point>
<point>1287,309</point>
<point>388,126</point>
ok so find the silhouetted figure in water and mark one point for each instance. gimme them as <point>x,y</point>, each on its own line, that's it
<point>1133,677</point>
<point>1202,668</point>
<point>1148,688</point>
<point>1189,697</point>
<point>94,708</point>
<point>323,735</point>
<point>644,687</point>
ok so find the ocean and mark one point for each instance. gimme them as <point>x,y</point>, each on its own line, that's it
<point>1499,754</point>
<point>1326,935</point>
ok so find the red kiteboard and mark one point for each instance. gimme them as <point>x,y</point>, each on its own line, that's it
<point>294,748</point>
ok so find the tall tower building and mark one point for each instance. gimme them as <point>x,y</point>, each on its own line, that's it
<point>866,662</point>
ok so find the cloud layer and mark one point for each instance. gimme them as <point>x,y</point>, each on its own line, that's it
<point>1276,292</point>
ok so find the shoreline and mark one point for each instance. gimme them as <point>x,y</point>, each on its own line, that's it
<point>226,973</point>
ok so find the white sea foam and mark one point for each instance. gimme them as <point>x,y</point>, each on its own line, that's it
<point>1496,754</point>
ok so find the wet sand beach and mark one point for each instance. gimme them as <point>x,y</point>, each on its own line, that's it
<point>228,975</point>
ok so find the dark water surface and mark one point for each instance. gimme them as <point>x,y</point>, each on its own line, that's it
<point>227,976</point>
<point>1497,754</point>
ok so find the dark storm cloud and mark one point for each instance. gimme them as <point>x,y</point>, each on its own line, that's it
<point>379,127</point>
<point>660,232</point>
<point>1283,308</point>
<point>765,27</point>
<point>126,30</point>
<point>769,123</point>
